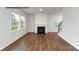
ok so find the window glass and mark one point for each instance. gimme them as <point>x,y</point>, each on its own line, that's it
<point>18,22</point>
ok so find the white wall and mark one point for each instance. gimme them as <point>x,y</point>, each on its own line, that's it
<point>41,18</point>
<point>6,36</point>
<point>31,23</point>
<point>70,31</point>
<point>53,19</point>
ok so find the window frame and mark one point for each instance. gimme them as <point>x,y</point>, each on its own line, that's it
<point>19,24</point>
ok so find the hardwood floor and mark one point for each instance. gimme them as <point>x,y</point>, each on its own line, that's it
<point>40,42</point>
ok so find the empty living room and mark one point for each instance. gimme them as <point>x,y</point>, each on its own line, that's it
<point>39,28</point>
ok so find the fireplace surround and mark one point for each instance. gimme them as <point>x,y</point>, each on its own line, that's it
<point>41,25</point>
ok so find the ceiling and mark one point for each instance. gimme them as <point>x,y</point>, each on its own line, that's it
<point>49,10</point>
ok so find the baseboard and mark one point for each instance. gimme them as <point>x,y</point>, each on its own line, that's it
<point>30,32</point>
<point>10,46</point>
<point>52,32</point>
<point>69,43</point>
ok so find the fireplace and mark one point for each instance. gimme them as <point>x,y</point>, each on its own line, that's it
<point>41,30</point>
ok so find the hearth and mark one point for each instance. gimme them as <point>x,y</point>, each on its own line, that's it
<point>41,30</point>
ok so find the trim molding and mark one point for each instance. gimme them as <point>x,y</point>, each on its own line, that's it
<point>68,43</point>
<point>12,45</point>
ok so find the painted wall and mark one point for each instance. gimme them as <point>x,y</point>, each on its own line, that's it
<point>70,31</point>
<point>6,36</point>
<point>48,20</point>
<point>31,23</point>
<point>41,18</point>
<point>53,21</point>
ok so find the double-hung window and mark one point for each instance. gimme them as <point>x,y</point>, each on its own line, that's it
<point>18,22</point>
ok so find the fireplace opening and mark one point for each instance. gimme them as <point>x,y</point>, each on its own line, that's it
<point>41,30</point>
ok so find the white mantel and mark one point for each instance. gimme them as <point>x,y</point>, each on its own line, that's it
<point>38,25</point>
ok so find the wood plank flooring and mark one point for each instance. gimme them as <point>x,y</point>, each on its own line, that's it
<point>40,42</point>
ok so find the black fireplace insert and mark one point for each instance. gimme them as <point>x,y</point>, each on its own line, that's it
<point>41,30</point>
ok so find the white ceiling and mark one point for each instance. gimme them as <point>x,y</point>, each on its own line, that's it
<point>49,10</point>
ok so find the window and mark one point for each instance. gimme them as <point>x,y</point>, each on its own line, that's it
<point>22,22</point>
<point>18,22</point>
